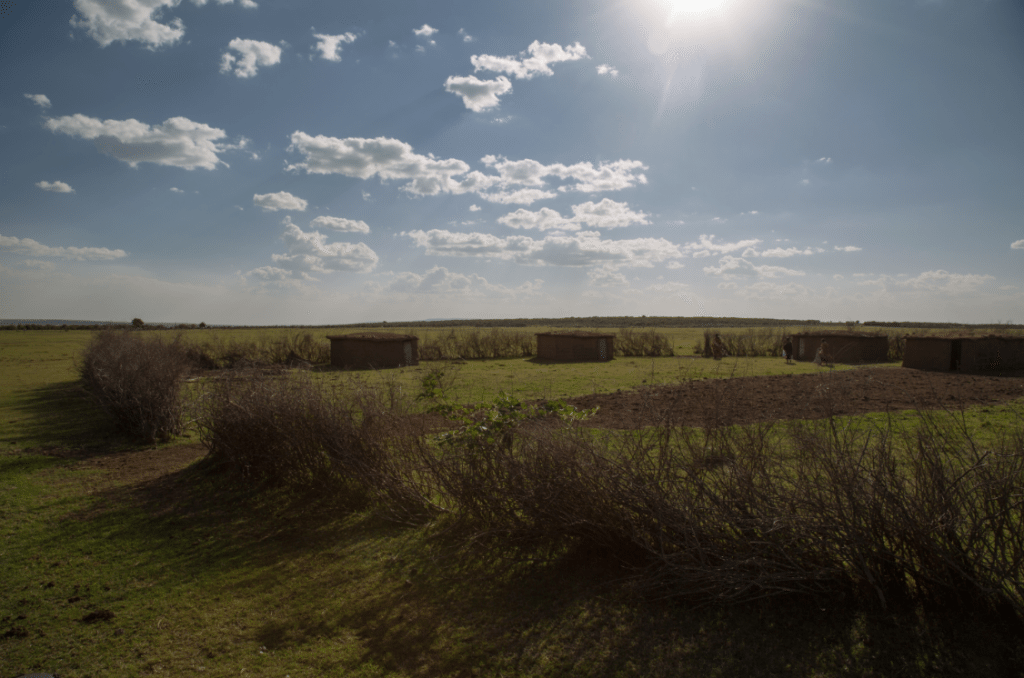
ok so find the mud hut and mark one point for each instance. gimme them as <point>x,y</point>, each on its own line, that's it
<point>843,347</point>
<point>575,346</point>
<point>968,354</point>
<point>374,350</point>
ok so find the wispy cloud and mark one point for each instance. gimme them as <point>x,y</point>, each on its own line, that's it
<point>40,100</point>
<point>36,249</point>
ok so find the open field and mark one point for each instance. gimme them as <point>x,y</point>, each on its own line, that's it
<point>121,558</point>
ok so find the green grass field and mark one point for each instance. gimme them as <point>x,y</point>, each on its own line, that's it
<point>121,559</point>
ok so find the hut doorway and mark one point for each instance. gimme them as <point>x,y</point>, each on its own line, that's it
<point>955,354</point>
<point>408,353</point>
<point>602,349</point>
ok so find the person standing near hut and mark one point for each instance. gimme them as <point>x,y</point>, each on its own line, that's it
<point>787,350</point>
<point>717,347</point>
<point>822,358</point>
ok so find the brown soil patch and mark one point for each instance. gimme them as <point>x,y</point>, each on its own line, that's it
<point>128,467</point>
<point>745,400</point>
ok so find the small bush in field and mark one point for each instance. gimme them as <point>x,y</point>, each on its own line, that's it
<point>137,380</point>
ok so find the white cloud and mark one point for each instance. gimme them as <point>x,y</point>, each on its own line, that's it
<point>524,196</point>
<point>706,246</point>
<point>177,142</point>
<point>478,95</point>
<point>781,253</point>
<point>36,249</point>
<point>109,21</point>
<point>579,249</point>
<point>309,252</point>
<point>605,214</point>
<point>475,208</point>
<point>674,265</point>
<point>824,160</point>
<point>607,176</point>
<point>605,69</point>
<point>544,219</point>
<point>40,100</point>
<point>540,55</point>
<point>251,55</point>
<point>383,157</point>
<point>805,182</point>
<point>176,190</point>
<point>341,224</point>
<point>429,175</point>
<point>731,267</point>
<point>847,248</point>
<point>466,37</point>
<point>425,31</point>
<point>283,200</point>
<point>56,186</point>
<point>1019,245</point>
<point>330,45</point>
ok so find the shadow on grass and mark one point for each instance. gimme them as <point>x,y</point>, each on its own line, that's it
<point>416,605</point>
<point>63,415</point>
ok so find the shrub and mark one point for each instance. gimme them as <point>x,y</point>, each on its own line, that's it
<point>137,381</point>
<point>294,431</point>
<point>649,343</point>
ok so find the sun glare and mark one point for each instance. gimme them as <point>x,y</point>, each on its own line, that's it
<point>691,6</point>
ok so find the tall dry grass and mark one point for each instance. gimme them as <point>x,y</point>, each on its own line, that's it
<point>648,343</point>
<point>471,344</point>
<point>285,349</point>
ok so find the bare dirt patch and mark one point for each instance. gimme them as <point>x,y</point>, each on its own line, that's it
<point>128,467</point>
<point>745,400</point>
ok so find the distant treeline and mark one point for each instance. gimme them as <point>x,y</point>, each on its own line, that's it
<point>7,325</point>
<point>591,322</point>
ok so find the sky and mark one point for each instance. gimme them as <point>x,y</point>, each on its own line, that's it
<point>298,162</point>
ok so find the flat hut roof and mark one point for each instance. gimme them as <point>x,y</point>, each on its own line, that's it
<point>373,336</point>
<point>576,333</point>
<point>837,333</point>
<point>965,337</point>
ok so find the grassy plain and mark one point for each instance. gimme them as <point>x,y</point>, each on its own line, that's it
<point>119,559</point>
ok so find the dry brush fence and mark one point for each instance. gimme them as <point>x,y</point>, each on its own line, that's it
<point>714,513</point>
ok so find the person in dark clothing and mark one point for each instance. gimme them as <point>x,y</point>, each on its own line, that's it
<point>787,350</point>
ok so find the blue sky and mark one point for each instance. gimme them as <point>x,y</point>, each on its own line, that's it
<point>291,162</point>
